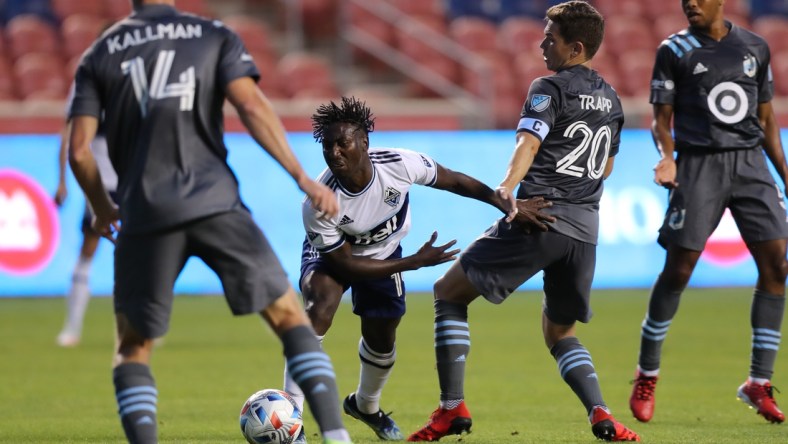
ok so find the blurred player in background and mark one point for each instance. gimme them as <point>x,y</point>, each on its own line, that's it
<point>567,137</point>
<point>360,247</point>
<point>714,81</point>
<point>159,79</point>
<point>79,291</point>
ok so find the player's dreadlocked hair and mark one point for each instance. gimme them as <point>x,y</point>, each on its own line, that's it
<point>351,111</point>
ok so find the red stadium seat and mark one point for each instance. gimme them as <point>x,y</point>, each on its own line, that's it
<point>377,29</point>
<point>630,8</point>
<point>317,17</point>
<point>115,10</point>
<point>420,7</point>
<point>636,68</point>
<point>65,8</point>
<point>668,24</point>
<point>436,64</point>
<point>521,34</point>
<point>6,80</point>
<point>474,33</point>
<point>79,31</point>
<point>527,68</point>
<point>499,67</point>
<point>304,71</point>
<point>29,33</point>
<point>629,33</point>
<point>40,76</point>
<point>780,72</point>
<point>412,35</point>
<point>198,7</point>
<point>774,29</point>
<point>253,32</point>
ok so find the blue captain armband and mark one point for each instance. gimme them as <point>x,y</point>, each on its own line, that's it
<point>538,127</point>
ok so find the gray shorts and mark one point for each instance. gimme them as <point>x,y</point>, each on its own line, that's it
<point>710,182</point>
<point>231,244</point>
<point>504,257</point>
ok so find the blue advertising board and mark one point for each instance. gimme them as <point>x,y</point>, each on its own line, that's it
<point>39,243</point>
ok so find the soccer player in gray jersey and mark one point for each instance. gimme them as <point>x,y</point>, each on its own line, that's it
<point>713,79</point>
<point>159,78</point>
<point>567,137</point>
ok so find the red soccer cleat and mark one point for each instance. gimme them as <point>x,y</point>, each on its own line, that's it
<point>760,397</point>
<point>606,428</point>
<point>642,400</point>
<point>444,422</point>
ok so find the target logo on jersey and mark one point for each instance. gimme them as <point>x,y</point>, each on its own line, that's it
<point>29,225</point>
<point>725,247</point>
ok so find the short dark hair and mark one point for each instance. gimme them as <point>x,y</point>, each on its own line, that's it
<point>579,22</point>
<point>351,110</point>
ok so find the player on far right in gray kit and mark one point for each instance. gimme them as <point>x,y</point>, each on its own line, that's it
<point>713,80</point>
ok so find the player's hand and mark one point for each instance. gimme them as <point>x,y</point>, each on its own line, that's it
<point>665,173</point>
<point>106,223</point>
<point>530,215</point>
<point>60,194</point>
<point>323,199</point>
<point>429,254</point>
<point>509,202</point>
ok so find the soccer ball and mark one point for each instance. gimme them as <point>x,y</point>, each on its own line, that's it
<point>270,416</point>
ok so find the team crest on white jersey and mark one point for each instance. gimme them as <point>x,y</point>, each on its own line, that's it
<point>540,102</point>
<point>391,196</point>
<point>750,65</point>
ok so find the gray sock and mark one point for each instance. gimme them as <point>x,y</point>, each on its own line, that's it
<point>452,345</point>
<point>577,369</point>
<point>662,306</point>
<point>135,391</point>
<point>766,317</point>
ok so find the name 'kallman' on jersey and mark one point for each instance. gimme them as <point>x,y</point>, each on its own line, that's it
<point>140,36</point>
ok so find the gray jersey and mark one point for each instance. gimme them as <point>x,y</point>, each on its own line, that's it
<point>714,87</point>
<point>578,117</point>
<point>159,77</point>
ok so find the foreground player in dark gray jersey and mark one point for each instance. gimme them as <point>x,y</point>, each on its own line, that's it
<point>714,81</point>
<point>160,79</point>
<point>567,138</point>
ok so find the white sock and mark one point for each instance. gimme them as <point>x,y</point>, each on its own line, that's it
<point>375,370</point>
<point>78,296</point>
<point>759,381</point>
<point>648,373</point>
<point>292,388</point>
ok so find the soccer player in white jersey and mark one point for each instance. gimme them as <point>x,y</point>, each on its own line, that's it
<point>79,291</point>
<point>360,248</point>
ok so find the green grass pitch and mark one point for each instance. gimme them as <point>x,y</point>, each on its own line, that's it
<point>210,362</point>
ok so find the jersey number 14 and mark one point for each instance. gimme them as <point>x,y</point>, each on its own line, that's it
<point>159,88</point>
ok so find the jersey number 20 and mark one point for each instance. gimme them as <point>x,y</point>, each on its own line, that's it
<point>159,88</point>
<point>571,164</point>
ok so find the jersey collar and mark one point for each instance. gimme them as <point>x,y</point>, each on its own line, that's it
<point>151,11</point>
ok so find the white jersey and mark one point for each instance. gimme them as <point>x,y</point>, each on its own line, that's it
<point>100,152</point>
<point>376,219</point>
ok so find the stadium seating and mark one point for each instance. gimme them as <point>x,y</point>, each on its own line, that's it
<point>780,72</point>
<point>668,24</point>
<point>625,33</point>
<point>115,10</point>
<point>6,80</point>
<point>79,31</point>
<point>30,33</point>
<point>306,74</point>
<point>635,68</point>
<point>774,29</point>
<point>253,32</point>
<point>474,33</point>
<point>520,34</point>
<point>40,76</point>
<point>65,8</point>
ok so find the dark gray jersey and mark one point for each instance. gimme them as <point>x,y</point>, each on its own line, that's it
<point>714,87</point>
<point>159,76</point>
<point>578,117</point>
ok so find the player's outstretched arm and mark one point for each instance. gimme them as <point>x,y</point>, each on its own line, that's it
<point>257,114</point>
<point>83,164</point>
<point>771,143</point>
<point>352,268</point>
<point>467,186</point>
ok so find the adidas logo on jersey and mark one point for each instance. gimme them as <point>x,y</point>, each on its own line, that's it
<point>699,69</point>
<point>345,220</point>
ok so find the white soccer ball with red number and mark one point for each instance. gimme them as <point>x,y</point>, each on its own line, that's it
<point>270,416</point>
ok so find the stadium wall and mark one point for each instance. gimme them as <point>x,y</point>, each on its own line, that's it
<point>39,243</point>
